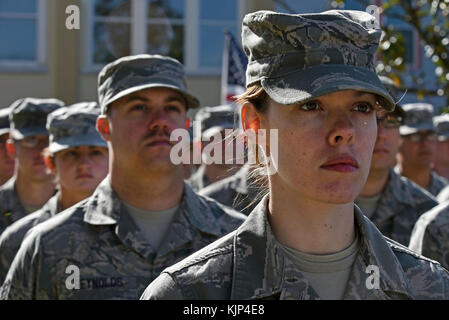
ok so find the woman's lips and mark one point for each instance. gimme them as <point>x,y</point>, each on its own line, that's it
<point>341,164</point>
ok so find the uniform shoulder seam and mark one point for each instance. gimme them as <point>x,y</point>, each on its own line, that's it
<point>178,267</point>
<point>395,246</point>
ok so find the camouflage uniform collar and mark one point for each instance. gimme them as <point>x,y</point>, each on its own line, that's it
<point>399,189</point>
<point>52,206</point>
<point>395,193</point>
<point>437,183</point>
<point>104,208</point>
<point>12,204</point>
<point>274,275</point>
<point>376,251</point>
<point>198,212</point>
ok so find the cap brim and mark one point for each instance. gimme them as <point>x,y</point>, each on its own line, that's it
<point>18,134</point>
<point>77,141</point>
<point>406,130</point>
<point>191,101</point>
<point>305,84</point>
<point>443,136</point>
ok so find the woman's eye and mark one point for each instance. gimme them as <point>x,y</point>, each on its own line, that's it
<point>97,153</point>
<point>310,106</point>
<point>71,154</point>
<point>173,108</point>
<point>364,107</point>
<point>139,107</point>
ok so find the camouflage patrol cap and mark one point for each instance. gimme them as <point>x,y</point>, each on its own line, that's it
<point>133,73</point>
<point>215,119</point>
<point>297,57</point>
<point>74,126</point>
<point>441,123</point>
<point>418,117</point>
<point>4,121</point>
<point>29,115</point>
<point>393,89</point>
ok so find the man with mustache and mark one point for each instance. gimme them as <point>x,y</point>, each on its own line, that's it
<point>418,146</point>
<point>32,185</point>
<point>6,162</point>
<point>143,217</point>
<point>392,202</point>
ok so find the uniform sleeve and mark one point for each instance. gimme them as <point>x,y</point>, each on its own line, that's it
<point>6,254</point>
<point>162,288</point>
<point>20,283</point>
<point>435,244</point>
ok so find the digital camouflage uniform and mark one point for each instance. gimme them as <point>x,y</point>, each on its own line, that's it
<point>430,236</point>
<point>296,58</point>
<point>70,126</point>
<point>250,264</point>
<point>437,183</point>
<point>12,237</point>
<point>236,191</point>
<point>98,236</point>
<point>11,209</point>
<point>399,207</point>
<point>114,258</point>
<point>27,118</point>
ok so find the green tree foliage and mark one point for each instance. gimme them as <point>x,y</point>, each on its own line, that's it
<point>430,20</point>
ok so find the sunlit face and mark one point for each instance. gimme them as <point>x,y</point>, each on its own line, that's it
<point>140,125</point>
<point>79,170</point>
<point>6,162</point>
<point>386,148</point>
<point>31,163</point>
<point>325,145</point>
<point>420,153</point>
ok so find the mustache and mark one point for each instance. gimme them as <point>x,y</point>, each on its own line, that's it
<point>157,133</point>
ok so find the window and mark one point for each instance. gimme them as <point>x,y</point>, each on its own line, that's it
<point>215,18</point>
<point>165,23</point>
<point>22,33</point>
<point>191,31</point>
<point>111,30</point>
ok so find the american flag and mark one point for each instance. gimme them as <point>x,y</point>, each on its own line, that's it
<point>233,79</point>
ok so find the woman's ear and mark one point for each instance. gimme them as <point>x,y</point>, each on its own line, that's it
<point>103,127</point>
<point>10,148</point>
<point>250,118</point>
<point>49,162</point>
